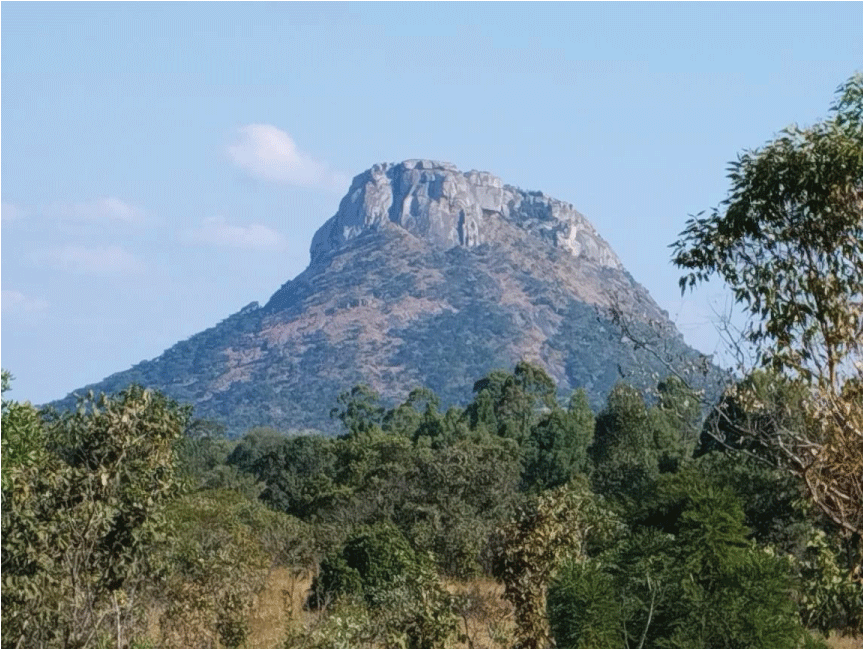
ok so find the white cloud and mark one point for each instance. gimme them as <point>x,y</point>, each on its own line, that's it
<point>100,209</point>
<point>17,302</point>
<point>267,152</point>
<point>217,231</point>
<point>99,260</point>
<point>10,212</point>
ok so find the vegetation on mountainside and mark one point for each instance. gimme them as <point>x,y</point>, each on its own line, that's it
<point>125,523</point>
<point>377,318</point>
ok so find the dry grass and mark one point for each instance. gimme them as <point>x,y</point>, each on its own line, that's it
<point>845,643</point>
<point>485,617</point>
<point>278,607</point>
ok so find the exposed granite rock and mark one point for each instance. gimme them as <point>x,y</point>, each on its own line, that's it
<point>438,203</point>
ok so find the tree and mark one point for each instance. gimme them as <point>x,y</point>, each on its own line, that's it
<point>377,566</point>
<point>513,401</point>
<point>82,500</point>
<point>583,608</point>
<point>551,529</point>
<point>689,579</point>
<point>634,443</point>
<point>557,446</point>
<point>455,497</point>
<point>359,410</point>
<point>299,474</point>
<point>788,241</point>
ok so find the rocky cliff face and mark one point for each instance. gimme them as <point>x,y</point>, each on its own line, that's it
<point>425,276</point>
<point>436,202</point>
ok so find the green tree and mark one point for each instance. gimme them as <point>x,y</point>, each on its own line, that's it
<point>252,446</point>
<point>81,510</point>
<point>686,579</point>
<point>721,571</point>
<point>583,608</point>
<point>455,498</point>
<point>550,529</point>
<point>676,420</point>
<point>788,241</point>
<point>557,446</point>
<point>359,410</point>
<point>407,418</point>
<point>509,404</point>
<point>299,474</point>
<point>378,566</point>
<point>634,443</point>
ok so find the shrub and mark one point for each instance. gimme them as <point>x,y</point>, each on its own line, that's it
<point>583,608</point>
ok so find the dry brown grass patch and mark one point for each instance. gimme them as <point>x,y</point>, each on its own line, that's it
<point>485,617</point>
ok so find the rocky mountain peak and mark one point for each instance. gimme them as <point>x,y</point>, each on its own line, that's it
<point>425,276</point>
<point>445,207</point>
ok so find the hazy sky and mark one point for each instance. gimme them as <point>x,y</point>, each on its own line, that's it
<point>164,164</point>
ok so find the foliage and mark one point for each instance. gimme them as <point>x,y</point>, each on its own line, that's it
<point>24,443</point>
<point>788,241</point>
<point>82,500</point>
<point>454,499</point>
<point>634,443</point>
<point>693,582</point>
<point>829,599</point>
<point>773,502</point>
<point>583,608</point>
<point>368,563</point>
<point>557,445</point>
<point>219,553</point>
<point>516,401</point>
<point>299,474</point>
<point>359,410</point>
<point>377,566</point>
<point>553,527</point>
<point>721,571</point>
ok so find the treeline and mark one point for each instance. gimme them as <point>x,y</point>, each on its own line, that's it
<point>128,523</point>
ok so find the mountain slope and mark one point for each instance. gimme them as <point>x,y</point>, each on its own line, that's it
<point>425,276</point>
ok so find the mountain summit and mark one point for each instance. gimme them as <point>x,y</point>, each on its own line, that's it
<point>445,207</point>
<point>426,276</point>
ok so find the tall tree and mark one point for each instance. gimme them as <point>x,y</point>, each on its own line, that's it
<point>788,241</point>
<point>557,447</point>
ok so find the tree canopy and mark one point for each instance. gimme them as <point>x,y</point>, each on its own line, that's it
<point>788,241</point>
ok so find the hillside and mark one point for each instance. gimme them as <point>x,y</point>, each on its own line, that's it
<point>425,276</point>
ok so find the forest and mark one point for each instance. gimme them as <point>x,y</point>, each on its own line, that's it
<point>516,520</point>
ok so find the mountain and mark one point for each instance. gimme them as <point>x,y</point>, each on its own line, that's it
<point>426,276</point>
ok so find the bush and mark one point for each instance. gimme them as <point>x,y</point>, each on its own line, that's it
<point>367,564</point>
<point>583,608</point>
<point>376,567</point>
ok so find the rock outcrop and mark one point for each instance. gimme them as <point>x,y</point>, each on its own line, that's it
<point>445,207</point>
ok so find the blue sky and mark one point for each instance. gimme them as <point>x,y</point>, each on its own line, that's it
<point>165,164</point>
